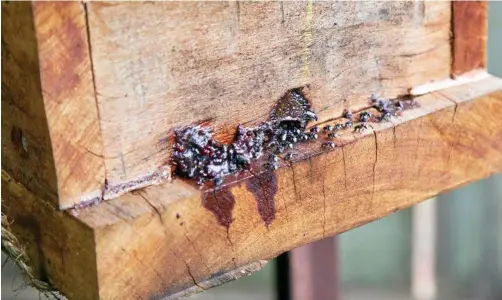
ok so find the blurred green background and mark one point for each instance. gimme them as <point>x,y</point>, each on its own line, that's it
<point>375,258</point>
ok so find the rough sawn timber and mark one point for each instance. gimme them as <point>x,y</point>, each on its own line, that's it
<point>174,239</point>
<point>95,89</point>
<point>227,63</point>
<point>51,140</point>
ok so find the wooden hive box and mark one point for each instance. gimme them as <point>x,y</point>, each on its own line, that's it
<point>92,93</point>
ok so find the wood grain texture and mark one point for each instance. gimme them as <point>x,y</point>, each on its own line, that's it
<point>175,64</point>
<point>51,141</point>
<point>26,144</point>
<point>470,24</point>
<point>70,104</point>
<point>174,237</point>
<point>60,247</point>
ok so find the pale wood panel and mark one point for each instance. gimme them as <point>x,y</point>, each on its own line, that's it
<point>175,64</point>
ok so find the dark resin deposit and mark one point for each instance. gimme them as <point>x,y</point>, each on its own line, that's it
<point>198,156</point>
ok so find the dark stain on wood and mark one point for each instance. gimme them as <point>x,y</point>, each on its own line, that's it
<point>221,203</point>
<point>264,187</point>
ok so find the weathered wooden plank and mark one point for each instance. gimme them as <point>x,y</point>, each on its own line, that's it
<point>174,237</point>
<point>470,33</point>
<point>26,143</point>
<point>175,64</point>
<point>48,103</point>
<point>70,104</point>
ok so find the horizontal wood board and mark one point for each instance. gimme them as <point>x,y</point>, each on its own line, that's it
<point>174,237</point>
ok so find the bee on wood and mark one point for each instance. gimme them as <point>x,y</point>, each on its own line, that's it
<point>348,124</point>
<point>309,115</point>
<point>271,166</point>
<point>332,135</point>
<point>385,116</point>
<point>338,126</point>
<point>364,116</point>
<point>360,127</point>
<point>313,136</point>
<point>347,114</point>
<point>289,156</point>
<point>218,181</point>
<point>273,158</point>
<point>328,128</point>
<point>328,145</point>
<point>315,129</point>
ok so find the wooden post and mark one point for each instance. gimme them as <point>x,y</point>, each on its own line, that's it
<point>314,271</point>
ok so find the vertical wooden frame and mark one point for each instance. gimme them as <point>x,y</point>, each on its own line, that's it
<point>469,28</point>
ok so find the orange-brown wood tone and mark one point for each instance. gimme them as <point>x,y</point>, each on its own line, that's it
<point>48,99</point>
<point>91,97</point>
<point>469,36</point>
<point>174,239</point>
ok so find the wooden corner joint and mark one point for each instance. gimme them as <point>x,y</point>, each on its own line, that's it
<point>174,239</point>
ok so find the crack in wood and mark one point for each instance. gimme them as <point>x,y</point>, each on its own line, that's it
<point>294,182</point>
<point>394,134</point>
<point>191,276</point>
<point>324,194</point>
<point>282,12</point>
<point>155,209</point>
<point>285,207</point>
<point>122,212</point>
<point>374,165</point>
<point>198,252</point>
<point>344,167</point>
<point>144,265</point>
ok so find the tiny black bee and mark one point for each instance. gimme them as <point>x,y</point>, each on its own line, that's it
<point>270,166</point>
<point>385,116</point>
<point>360,127</point>
<point>365,116</point>
<point>332,135</point>
<point>313,136</point>
<point>315,129</point>
<point>273,158</point>
<point>348,124</point>
<point>328,128</point>
<point>218,181</point>
<point>289,156</point>
<point>347,114</point>
<point>279,149</point>
<point>310,115</point>
<point>328,145</point>
<point>338,126</point>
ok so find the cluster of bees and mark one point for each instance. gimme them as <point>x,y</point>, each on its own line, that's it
<point>196,155</point>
